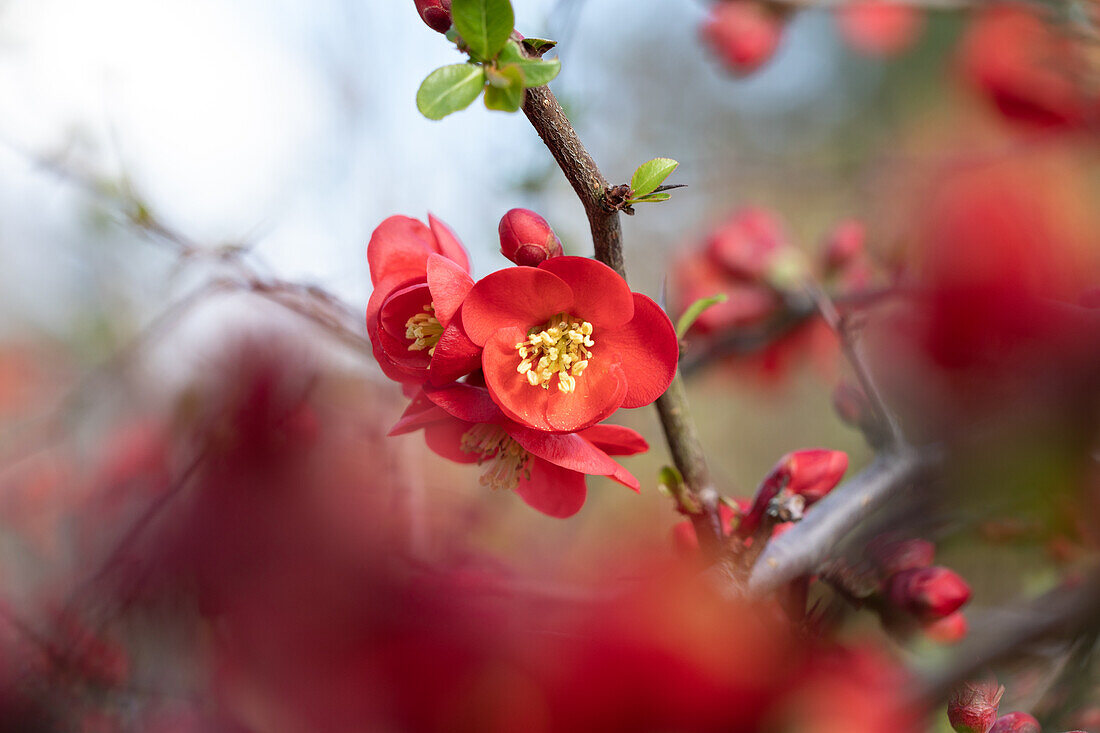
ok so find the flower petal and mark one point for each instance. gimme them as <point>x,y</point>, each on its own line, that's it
<point>399,248</point>
<point>455,355</point>
<point>445,439</point>
<point>515,296</point>
<point>447,243</point>
<point>401,305</point>
<point>555,491</point>
<point>472,404</point>
<point>615,440</point>
<point>567,450</point>
<point>647,349</point>
<point>600,296</point>
<point>599,392</point>
<point>420,412</point>
<point>449,285</point>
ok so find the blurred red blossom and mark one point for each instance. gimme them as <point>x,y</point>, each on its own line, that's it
<point>879,27</point>
<point>744,33</point>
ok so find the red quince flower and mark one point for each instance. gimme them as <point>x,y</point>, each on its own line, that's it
<point>420,277</point>
<point>744,34</point>
<point>567,343</point>
<point>462,423</point>
<point>879,27</point>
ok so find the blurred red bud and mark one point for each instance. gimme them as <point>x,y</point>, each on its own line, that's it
<point>928,593</point>
<point>748,242</point>
<point>949,629</point>
<point>815,472</point>
<point>436,13</point>
<point>1016,723</point>
<point>844,245</point>
<point>851,405</point>
<point>526,238</point>
<point>744,34</point>
<point>878,27</point>
<point>895,557</point>
<point>973,706</point>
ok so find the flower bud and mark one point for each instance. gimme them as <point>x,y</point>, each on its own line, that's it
<point>808,474</point>
<point>436,13</point>
<point>928,593</point>
<point>844,245</point>
<point>1016,723</point>
<point>526,238</point>
<point>949,629</point>
<point>744,34</point>
<point>893,557</point>
<point>973,706</point>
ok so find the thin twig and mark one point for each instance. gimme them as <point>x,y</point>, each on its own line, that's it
<point>550,122</point>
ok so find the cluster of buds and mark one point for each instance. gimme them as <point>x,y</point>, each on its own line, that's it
<point>972,708</point>
<point>518,370</point>
<point>917,592</point>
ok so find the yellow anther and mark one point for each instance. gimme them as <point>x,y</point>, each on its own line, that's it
<point>424,330</point>
<point>510,461</point>
<point>562,347</point>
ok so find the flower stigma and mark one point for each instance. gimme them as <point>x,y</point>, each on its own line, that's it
<point>562,347</point>
<point>509,460</point>
<point>424,330</point>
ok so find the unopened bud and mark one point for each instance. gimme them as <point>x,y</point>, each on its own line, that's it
<point>852,405</point>
<point>807,474</point>
<point>748,243</point>
<point>973,706</point>
<point>928,593</point>
<point>744,34</point>
<point>893,557</point>
<point>844,245</point>
<point>526,238</point>
<point>436,13</point>
<point>949,629</point>
<point>1016,723</point>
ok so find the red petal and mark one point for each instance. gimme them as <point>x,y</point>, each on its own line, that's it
<point>447,243</point>
<point>449,285</point>
<point>516,296</point>
<point>615,440</point>
<point>402,304</point>
<point>455,355</point>
<point>626,478</point>
<point>445,439</point>
<point>420,412</point>
<point>647,350</point>
<point>399,248</point>
<point>553,490</point>
<point>600,296</point>
<point>599,390</point>
<point>395,350</point>
<point>567,450</point>
<point>472,404</point>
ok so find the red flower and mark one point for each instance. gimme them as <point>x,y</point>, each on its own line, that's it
<point>573,325</point>
<point>420,277</point>
<point>744,34</point>
<point>461,422</point>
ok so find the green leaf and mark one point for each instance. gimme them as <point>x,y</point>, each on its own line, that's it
<point>650,198</point>
<point>695,310</point>
<point>536,72</point>
<point>651,174</point>
<point>449,89</point>
<point>484,24</point>
<point>538,46</point>
<point>505,90</point>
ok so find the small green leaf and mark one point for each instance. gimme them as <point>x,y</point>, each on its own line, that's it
<point>505,90</point>
<point>695,310</point>
<point>538,46</point>
<point>484,25</point>
<point>651,174</point>
<point>449,89</point>
<point>650,198</point>
<point>536,72</point>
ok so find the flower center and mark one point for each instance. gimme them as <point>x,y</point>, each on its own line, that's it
<point>424,330</point>
<point>562,347</point>
<point>509,459</point>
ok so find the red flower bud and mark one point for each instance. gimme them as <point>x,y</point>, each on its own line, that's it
<point>949,629</point>
<point>844,245</point>
<point>436,13</point>
<point>744,34</point>
<point>810,474</point>
<point>1016,723</point>
<point>896,557</point>
<point>526,238</point>
<point>973,706</point>
<point>878,28</point>
<point>928,593</point>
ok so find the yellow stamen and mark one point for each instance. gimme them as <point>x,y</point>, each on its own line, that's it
<point>509,460</point>
<point>562,347</point>
<point>424,330</point>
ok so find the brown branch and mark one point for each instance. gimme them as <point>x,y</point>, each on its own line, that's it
<point>549,120</point>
